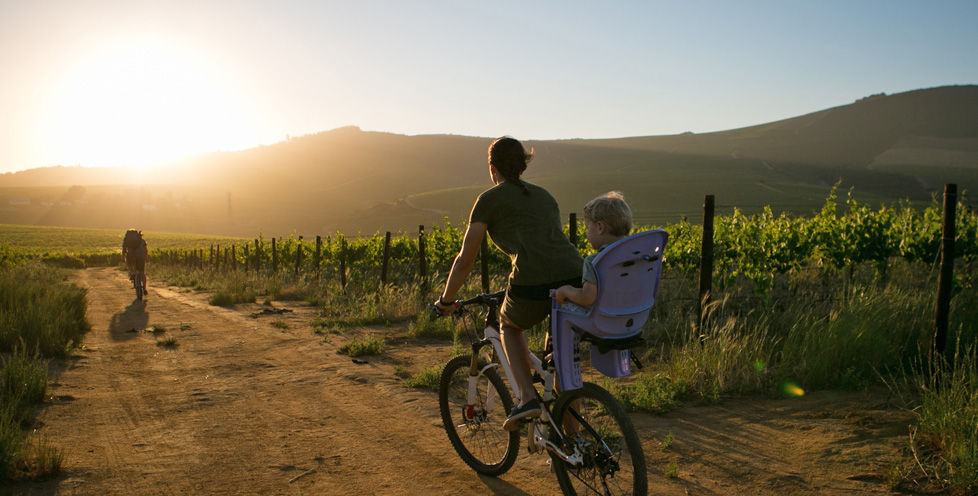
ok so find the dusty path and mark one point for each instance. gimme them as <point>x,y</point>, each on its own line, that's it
<point>241,406</point>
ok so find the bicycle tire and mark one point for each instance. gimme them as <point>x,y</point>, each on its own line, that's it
<point>139,287</point>
<point>480,441</point>
<point>618,469</point>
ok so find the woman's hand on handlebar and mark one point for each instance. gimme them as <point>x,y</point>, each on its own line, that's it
<point>446,309</point>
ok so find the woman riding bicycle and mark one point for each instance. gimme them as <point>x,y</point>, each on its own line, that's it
<point>523,220</point>
<point>134,253</point>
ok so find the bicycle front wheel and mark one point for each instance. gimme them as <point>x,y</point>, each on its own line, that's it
<point>476,431</point>
<point>598,426</point>
<point>138,286</point>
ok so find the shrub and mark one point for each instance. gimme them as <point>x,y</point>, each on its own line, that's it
<point>357,347</point>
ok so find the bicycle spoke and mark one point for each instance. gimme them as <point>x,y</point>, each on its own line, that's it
<point>476,430</point>
<point>612,461</point>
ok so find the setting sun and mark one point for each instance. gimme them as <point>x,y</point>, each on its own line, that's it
<point>144,100</point>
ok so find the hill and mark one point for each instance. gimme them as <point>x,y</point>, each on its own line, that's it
<point>887,147</point>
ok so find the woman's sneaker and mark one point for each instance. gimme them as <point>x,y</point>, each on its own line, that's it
<point>530,409</point>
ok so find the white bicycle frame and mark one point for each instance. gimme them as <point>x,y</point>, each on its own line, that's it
<point>537,436</point>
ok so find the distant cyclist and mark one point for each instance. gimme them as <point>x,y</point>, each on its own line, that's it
<point>134,253</point>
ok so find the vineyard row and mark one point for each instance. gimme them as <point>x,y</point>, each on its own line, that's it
<point>756,247</point>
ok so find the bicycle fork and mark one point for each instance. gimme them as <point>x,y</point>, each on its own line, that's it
<point>474,373</point>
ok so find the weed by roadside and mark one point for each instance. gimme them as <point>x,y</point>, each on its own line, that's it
<point>426,378</point>
<point>947,434</point>
<point>23,385</point>
<point>426,325</point>
<point>362,347</point>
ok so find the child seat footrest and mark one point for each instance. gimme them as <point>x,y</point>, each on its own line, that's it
<point>605,345</point>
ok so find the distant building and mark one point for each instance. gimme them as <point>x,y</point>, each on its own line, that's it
<point>20,200</point>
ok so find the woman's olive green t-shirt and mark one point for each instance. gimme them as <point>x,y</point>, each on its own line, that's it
<point>528,229</point>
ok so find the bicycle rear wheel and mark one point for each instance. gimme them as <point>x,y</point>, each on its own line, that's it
<point>139,287</point>
<point>613,460</point>
<point>476,431</point>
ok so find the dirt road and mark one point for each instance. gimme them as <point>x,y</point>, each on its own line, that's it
<point>261,405</point>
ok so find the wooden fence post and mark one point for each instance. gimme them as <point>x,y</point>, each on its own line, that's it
<point>246,258</point>
<point>319,254</point>
<point>572,228</point>
<point>298,256</point>
<point>706,257</point>
<point>946,275</point>
<point>422,260</point>
<point>387,255</point>
<point>274,256</point>
<point>343,263</point>
<point>484,261</point>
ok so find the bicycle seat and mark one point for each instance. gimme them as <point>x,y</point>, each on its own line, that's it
<point>628,273</point>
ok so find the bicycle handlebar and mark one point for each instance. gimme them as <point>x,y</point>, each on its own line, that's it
<point>484,299</point>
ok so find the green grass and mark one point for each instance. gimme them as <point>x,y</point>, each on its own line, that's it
<point>428,325</point>
<point>39,310</point>
<point>427,378</point>
<point>41,316</point>
<point>362,347</point>
<point>23,386</point>
<point>948,422</point>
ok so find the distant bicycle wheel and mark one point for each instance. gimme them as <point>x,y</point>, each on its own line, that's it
<point>476,431</point>
<point>139,287</point>
<point>613,460</point>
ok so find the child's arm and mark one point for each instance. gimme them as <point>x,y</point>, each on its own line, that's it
<point>582,296</point>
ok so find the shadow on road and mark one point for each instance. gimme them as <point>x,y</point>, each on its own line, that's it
<point>130,322</point>
<point>497,486</point>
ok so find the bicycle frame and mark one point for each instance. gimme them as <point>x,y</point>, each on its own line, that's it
<point>538,433</point>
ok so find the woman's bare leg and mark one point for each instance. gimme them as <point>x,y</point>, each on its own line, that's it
<point>518,354</point>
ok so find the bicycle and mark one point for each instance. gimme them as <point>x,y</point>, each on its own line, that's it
<point>137,277</point>
<point>137,283</point>
<point>592,443</point>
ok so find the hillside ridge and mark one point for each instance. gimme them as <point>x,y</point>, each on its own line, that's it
<point>887,147</point>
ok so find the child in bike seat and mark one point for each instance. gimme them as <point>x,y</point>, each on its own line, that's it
<point>607,219</point>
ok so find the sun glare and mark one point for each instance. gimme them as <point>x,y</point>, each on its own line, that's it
<point>142,102</point>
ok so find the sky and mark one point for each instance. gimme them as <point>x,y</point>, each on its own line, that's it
<point>136,82</point>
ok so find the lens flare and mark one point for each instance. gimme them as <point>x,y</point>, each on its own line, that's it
<point>791,389</point>
<point>759,365</point>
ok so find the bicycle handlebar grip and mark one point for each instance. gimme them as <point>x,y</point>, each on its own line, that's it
<point>439,312</point>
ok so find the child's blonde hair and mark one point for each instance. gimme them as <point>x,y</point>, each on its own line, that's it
<point>611,209</point>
